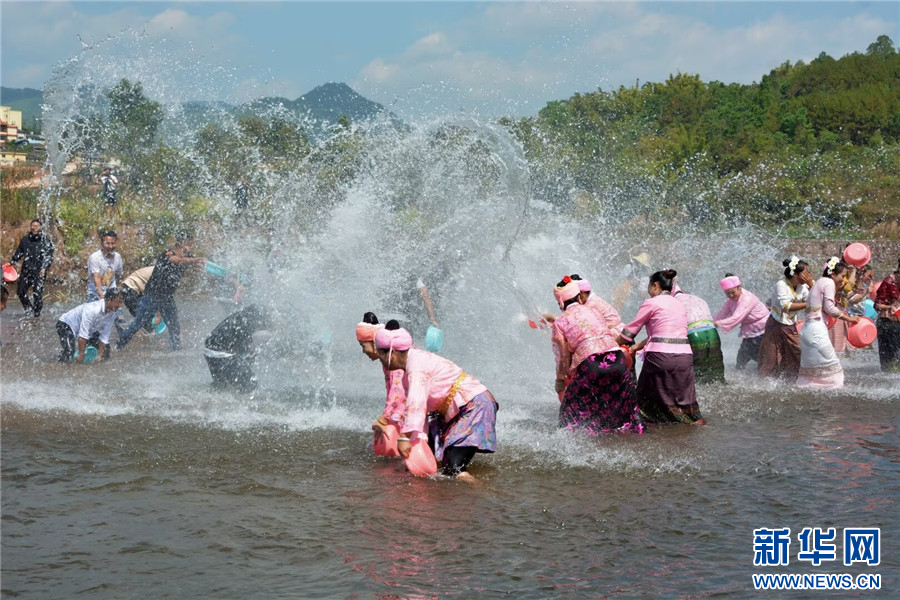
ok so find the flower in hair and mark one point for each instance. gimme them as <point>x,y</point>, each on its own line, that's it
<point>567,279</point>
<point>831,264</point>
<point>793,264</point>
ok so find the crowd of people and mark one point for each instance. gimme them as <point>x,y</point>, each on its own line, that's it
<point>431,398</point>
<point>436,410</point>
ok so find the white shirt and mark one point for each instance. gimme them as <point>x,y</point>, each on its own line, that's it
<point>784,296</point>
<point>110,270</point>
<point>89,318</point>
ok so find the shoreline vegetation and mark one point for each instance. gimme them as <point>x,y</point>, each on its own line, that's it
<point>810,154</point>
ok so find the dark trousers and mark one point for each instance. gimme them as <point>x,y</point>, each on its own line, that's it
<point>33,280</point>
<point>888,344</point>
<point>67,341</point>
<point>232,371</point>
<point>146,310</point>
<point>748,351</point>
<point>130,299</point>
<point>456,459</point>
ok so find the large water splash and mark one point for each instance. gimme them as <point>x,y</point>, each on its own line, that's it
<point>351,225</point>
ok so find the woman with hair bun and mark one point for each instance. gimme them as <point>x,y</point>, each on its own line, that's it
<point>466,410</point>
<point>385,427</point>
<point>597,391</point>
<point>666,389</point>
<point>779,350</point>
<point>820,366</point>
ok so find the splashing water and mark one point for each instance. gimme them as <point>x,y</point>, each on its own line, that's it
<point>352,225</point>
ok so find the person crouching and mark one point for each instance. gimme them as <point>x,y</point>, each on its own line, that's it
<point>86,323</point>
<point>466,412</point>
<point>229,349</point>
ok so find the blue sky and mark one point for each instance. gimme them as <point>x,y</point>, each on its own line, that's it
<point>434,57</point>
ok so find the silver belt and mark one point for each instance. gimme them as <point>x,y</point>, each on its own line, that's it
<point>660,340</point>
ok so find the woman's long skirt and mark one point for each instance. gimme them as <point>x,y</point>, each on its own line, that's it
<point>709,365</point>
<point>665,389</point>
<point>819,365</point>
<point>475,426</point>
<point>602,396</point>
<point>837,333</point>
<point>779,351</point>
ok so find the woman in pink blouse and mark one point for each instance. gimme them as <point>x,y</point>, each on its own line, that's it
<point>742,308</point>
<point>395,402</point>
<point>466,412</point>
<point>820,366</point>
<point>665,389</point>
<point>597,391</point>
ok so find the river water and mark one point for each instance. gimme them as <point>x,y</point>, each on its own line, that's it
<point>134,479</point>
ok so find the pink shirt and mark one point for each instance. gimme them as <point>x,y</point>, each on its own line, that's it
<point>698,312</point>
<point>665,319</point>
<point>395,402</point>
<point>427,382</point>
<point>821,298</point>
<point>577,334</point>
<point>748,311</point>
<point>606,312</point>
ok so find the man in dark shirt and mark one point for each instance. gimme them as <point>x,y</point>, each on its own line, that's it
<point>229,348</point>
<point>36,252</point>
<point>159,293</point>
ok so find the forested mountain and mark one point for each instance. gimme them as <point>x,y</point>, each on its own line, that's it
<point>823,136</point>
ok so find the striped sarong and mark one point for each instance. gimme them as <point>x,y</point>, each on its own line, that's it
<point>709,365</point>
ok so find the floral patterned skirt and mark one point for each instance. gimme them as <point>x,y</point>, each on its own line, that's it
<point>601,397</point>
<point>474,426</point>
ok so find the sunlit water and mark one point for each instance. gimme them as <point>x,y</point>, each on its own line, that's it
<point>136,479</point>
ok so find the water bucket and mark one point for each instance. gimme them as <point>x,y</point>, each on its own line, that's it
<point>217,270</point>
<point>9,273</point>
<point>857,254</point>
<point>862,334</point>
<point>434,339</point>
<point>386,445</point>
<point>160,328</point>
<point>421,462</point>
<point>896,311</point>
<point>869,308</point>
<point>830,321</point>
<point>90,353</point>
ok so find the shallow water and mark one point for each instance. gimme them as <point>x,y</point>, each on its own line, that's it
<point>135,479</point>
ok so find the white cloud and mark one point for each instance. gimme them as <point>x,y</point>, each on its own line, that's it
<point>43,33</point>
<point>436,43</point>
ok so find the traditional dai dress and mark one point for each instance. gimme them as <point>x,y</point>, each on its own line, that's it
<point>665,389</point>
<point>600,391</point>
<point>465,411</point>
<point>751,314</point>
<point>819,364</point>
<point>779,350</point>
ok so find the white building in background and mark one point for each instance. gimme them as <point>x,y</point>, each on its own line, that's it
<point>10,123</point>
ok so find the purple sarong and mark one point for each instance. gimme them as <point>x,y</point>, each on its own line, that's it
<point>474,426</point>
<point>665,389</point>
